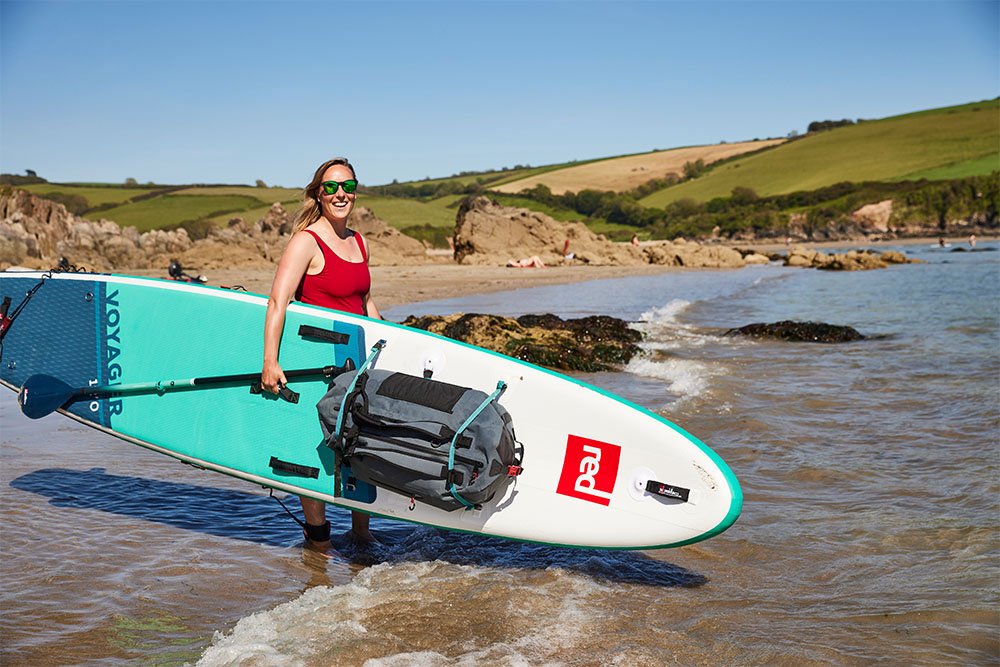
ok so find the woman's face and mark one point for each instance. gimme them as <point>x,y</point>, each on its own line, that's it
<point>339,205</point>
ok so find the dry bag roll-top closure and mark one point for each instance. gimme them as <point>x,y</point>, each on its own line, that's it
<point>448,446</point>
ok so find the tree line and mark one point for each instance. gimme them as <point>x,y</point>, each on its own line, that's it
<point>744,210</point>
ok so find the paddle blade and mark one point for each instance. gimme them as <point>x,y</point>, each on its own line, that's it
<point>42,395</point>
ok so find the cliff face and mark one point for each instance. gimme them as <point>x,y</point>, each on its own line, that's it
<point>36,233</point>
<point>880,221</point>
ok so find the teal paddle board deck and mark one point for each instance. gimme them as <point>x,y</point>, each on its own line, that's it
<point>598,471</point>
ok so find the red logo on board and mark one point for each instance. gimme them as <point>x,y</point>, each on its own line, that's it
<point>589,470</point>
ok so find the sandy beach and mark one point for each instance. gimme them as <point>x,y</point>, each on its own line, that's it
<point>400,285</point>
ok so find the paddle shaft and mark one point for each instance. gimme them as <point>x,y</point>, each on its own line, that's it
<point>167,385</point>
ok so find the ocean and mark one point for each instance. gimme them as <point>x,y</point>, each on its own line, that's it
<point>870,531</point>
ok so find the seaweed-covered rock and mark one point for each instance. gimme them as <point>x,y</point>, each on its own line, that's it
<point>596,343</point>
<point>804,332</point>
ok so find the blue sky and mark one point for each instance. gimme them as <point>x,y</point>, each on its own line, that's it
<point>232,92</point>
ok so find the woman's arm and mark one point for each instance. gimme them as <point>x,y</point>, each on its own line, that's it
<point>371,308</point>
<point>293,265</point>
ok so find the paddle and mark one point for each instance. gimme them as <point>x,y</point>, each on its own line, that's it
<point>41,395</point>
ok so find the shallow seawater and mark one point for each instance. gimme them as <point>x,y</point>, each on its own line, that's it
<point>870,530</point>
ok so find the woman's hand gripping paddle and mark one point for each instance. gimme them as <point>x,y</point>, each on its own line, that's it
<point>41,395</point>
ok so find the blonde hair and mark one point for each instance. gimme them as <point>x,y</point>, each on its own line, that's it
<point>311,210</point>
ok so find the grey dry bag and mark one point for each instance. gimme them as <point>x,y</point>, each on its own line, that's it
<point>438,443</point>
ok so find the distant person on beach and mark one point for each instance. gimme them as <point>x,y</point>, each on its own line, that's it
<point>972,240</point>
<point>566,253</point>
<point>635,240</point>
<point>533,262</point>
<point>325,264</point>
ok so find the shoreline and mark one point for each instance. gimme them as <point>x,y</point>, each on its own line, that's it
<point>401,285</point>
<point>394,286</point>
<point>779,246</point>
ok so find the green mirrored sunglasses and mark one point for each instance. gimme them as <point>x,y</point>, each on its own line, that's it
<point>331,187</point>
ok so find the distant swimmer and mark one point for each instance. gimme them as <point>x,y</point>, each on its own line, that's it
<point>941,242</point>
<point>972,240</point>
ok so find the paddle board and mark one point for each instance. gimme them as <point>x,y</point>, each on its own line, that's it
<point>592,461</point>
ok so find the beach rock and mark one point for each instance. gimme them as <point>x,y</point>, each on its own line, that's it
<point>239,224</point>
<point>276,220</point>
<point>590,344</point>
<point>44,221</point>
<point>853,260</point>
<point>35,233</point>
<point>15,244</point>
<point>491,234</point>
<point>756,258</point>
<point>487,233</point>
<point>802,332</point>
<point>680,252</point>
<point>388,245</point>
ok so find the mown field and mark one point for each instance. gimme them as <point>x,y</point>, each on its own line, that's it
<point>621,174</point>
<point>944,143</point>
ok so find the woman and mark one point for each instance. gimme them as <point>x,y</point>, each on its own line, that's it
<point>325,264</point>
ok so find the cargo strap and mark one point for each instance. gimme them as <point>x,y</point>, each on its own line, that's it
<point>335,442</point>
<point>501,386</point>
<point>376,348</point>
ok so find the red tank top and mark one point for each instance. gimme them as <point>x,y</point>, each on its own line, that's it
<point>341,285</point>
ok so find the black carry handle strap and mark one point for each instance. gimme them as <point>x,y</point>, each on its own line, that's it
<point>278,465</point>
<point>285,392</point>
<point>307,331</point>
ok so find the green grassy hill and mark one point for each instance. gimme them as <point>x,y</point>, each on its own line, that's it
<point>952,142</point>
<point>156,206</point>
<point>937,145</point>
<point>95,195</point>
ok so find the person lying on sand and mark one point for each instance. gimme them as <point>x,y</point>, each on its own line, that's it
<point>533,262</point>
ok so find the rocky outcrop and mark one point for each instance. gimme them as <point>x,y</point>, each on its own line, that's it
<point>874,218</point>
<point>799,332</point>
<point>681,252</point>
<point>853,260</point>
<point>589,344</point>
<point>488,233</point>
<point>389,246</point>
<point>36,233</point>
<point>491,234</point>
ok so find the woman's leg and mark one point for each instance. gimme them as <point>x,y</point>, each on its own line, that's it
<point>317,528</point>
<point>359,527</point>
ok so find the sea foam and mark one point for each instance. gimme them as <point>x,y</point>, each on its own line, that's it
<point>667,339</point>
